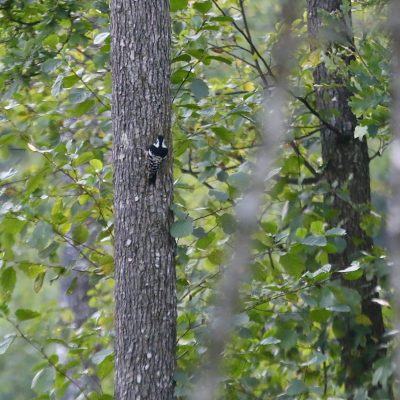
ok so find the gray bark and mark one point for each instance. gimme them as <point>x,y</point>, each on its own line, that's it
<point>145,310</point>
<point>346,169</point>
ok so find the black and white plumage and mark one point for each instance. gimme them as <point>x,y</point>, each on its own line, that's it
<point>157,153</point>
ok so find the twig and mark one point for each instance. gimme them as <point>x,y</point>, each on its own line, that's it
<point>47,358</point>
<point>296,149</point>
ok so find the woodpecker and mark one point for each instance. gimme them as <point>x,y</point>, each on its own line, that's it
<point>157,154</point>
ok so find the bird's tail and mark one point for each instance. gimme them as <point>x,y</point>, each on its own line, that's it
<point>152,178</point>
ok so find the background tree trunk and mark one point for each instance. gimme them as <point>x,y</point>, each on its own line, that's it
<point>144,250</point>
<point>347,171</point>
<point>393,224</point>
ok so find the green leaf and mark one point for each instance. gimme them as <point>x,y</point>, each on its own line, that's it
<point>353,272</point>
<point>177,5</point>
<point>320,315</point>
<point>222,18</point>
<point>339,308</point>
<point>52,40</point>
<point>355,266</point>
<point>101,355</point>
<point>83,158</point>
<point>25,314</point>
<point>82,108</point>
<point>296,387</point>
<point>56,89</point>
<point>320,274</point>
<point>181,57</point>
<point>80,234</point>
<point>182,228</point>
<point>199,88</point>
<point>270,340</point>
<point>50,65</point>
<point>239,180</point>
<point>6,343</point>
<point>77,96</point>
<point>221,196</point>
<point>50,250</point>
<point>317,241</point>
<point>336,232</point>
<point>96,164</point>
<point>317,358</point>
<point>38,283</point>
<point>106,367</point>
<point>293,264</point>
<point>317,228</point>
<point>101,37</point>
<point>228,223</point>
<point>70,81</point>
<point>43,381</point>
<point>204,242</point>
<point>217,256</point>
<point>41,235</point>
<point>203,6</point>
<point>8,279</point>
<point>224,134</point>
<point>72,286</point>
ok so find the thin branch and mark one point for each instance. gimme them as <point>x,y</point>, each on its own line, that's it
<point>85,84</point>
<point>196,174</point>
<point>296,149</point>
<point>255,52</point>
<point>47,358</point>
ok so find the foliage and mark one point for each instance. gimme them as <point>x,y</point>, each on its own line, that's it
<point>55,136</point>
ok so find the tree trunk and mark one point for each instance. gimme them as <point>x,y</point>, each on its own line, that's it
<point>346,163</point>
<point>393,223</point>
<point>145,296</point>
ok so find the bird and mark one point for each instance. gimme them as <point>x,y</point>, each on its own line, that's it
<point>157,153</point>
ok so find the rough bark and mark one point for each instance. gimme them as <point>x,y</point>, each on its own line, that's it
<point>346,163</point>
<point>145,310</point>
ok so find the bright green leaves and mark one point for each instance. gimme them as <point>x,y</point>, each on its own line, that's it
<point>56,186</point>
<point>96,164</point>
<point>80,234</point>
<point>223,133</point>
<point>202,6</point>
<point>104,361</point>
<point>293,263</point>
<point>38,282</point>
<point>8,279</point>
<point>25,314</point>
<point>177,5</point>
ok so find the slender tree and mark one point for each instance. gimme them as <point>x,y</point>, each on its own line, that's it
<point>145,297</point>
<point>394,200</point>
<point>347,171</point>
